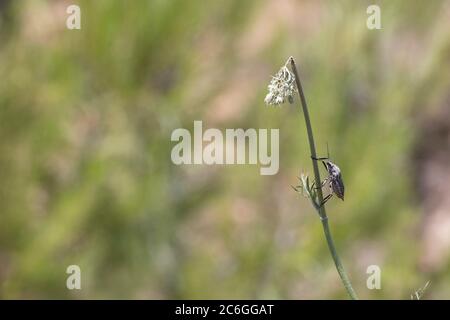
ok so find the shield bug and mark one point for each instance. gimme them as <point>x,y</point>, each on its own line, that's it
<point>334,179</point>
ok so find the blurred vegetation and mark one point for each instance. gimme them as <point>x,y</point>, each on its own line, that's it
<point>85,123</point>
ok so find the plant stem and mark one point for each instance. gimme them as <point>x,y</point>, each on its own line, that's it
<point>321,210</point>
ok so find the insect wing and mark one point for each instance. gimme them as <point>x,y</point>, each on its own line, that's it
<point>338,186</point>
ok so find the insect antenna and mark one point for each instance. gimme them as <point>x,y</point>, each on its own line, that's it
<point>328,152</point>
<point>322,158</point>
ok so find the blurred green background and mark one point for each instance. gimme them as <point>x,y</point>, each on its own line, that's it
<point>86,176</point>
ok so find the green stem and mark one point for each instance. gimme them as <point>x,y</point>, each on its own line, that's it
<point>321,209</point>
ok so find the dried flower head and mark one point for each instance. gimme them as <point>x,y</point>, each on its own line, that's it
<point>307,189</point>
<point>281,87</point>
<point>419,293</point>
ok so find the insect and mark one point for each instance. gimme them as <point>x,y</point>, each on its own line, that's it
<point>334,179</point>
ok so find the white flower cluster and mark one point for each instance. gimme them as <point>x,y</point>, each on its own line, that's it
<point>281,87</point>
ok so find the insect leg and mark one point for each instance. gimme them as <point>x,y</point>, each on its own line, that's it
<point>321,185</point>
<point>328,197</point>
